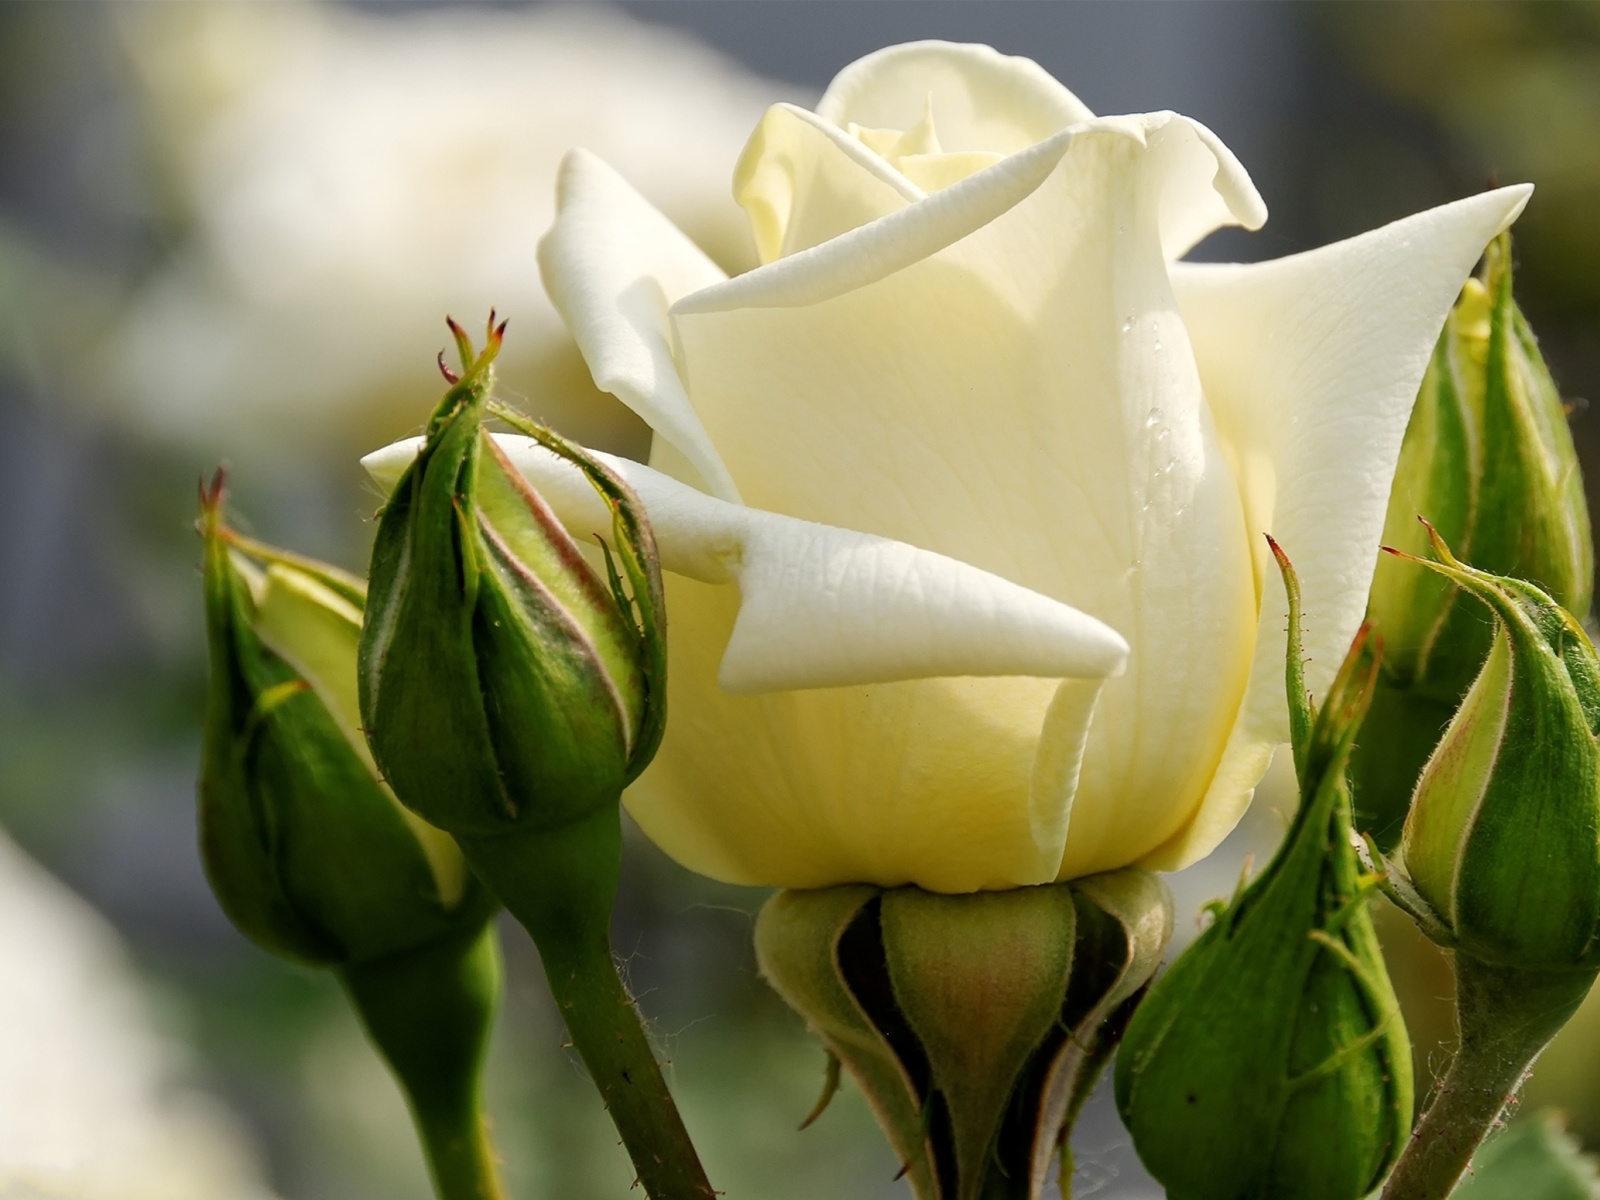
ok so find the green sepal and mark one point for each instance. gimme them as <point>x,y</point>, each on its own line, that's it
<point>975,1024</point>
<point>637,590</point>
<point>1532,520</point>
<point>420,694</point>
<point>798,941</point>
<point>1124,922</point>
<point>980,980</point>
<point>1271,1059</point>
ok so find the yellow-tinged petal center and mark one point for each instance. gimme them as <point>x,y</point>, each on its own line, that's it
<point>917,154</point>
<point>802,181</point>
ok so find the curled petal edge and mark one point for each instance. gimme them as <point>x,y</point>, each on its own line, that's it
<point>613,264</point>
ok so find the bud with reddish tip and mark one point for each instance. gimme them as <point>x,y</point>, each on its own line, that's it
<point>1271,1060</point>
<point>313,858</point>
<point>307,849</point>
<point>505,685</point>
<point>510,692</point>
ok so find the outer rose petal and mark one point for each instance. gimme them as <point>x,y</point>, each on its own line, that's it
<point>819,607</point>
<point>612,265</point>
<point>998,372</point>
<point>1311,365</point>
<point>981,99</point>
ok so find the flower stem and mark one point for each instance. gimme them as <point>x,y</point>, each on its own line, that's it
<point>560,884</point>
<point>1505,1017</point>
<point>429,1012</point>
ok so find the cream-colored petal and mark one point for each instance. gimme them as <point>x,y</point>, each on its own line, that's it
<point>924,781</point>
<point>803,181</point>
<point>999,373</point>
<point>905,645</point>
<point>1311,365</point>
<point>981,99</point>
<point>613,265</point>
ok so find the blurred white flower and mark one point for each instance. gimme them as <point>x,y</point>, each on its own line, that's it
<point>92,1105</point>
<point>347,178</point>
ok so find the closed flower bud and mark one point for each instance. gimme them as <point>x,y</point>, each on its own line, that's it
<point>505,683</point>
<point>509,693</point>
<point>1271,1059</point>
<point>1488,460</point>
<point>1501,849</point>
<point>975,1024</point>
<point>307,850</point>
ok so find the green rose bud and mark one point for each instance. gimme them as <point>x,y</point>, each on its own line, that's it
<point>1500,861</point>
<point>504,683</point>
<point>1488,460</point>
<point>308,851</point>
<point>976,1025</point>
<point>510,693</point>
<point>1271,1059</point>
<point>313,857</point>
<point>1502,844</point>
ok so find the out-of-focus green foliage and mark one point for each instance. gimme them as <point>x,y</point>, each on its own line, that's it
<point>1536,1159</point>
<point>1515,87</point>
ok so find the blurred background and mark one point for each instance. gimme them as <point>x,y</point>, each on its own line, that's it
<point>232,232</point>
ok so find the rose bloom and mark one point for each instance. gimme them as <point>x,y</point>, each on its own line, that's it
<point>989,468</point>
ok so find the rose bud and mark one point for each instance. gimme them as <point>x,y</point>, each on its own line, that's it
<point>307,849</point>
<point>1500,861</point>
<point>975,1025</point>
<point>510,693</point>
<point>1271,1059</point>
<point>505,684</point>
<point>314,859</point>
<point>1502,843</point>
<point>1488,460</point>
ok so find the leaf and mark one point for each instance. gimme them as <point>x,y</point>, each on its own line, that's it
<point>1535,1159</point>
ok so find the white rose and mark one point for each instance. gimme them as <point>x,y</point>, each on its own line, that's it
<point>971,339</point>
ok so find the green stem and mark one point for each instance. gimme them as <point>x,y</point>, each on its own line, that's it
<point>1505,1018</point>
<point>429,1012</point>
<point>560,884</point>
